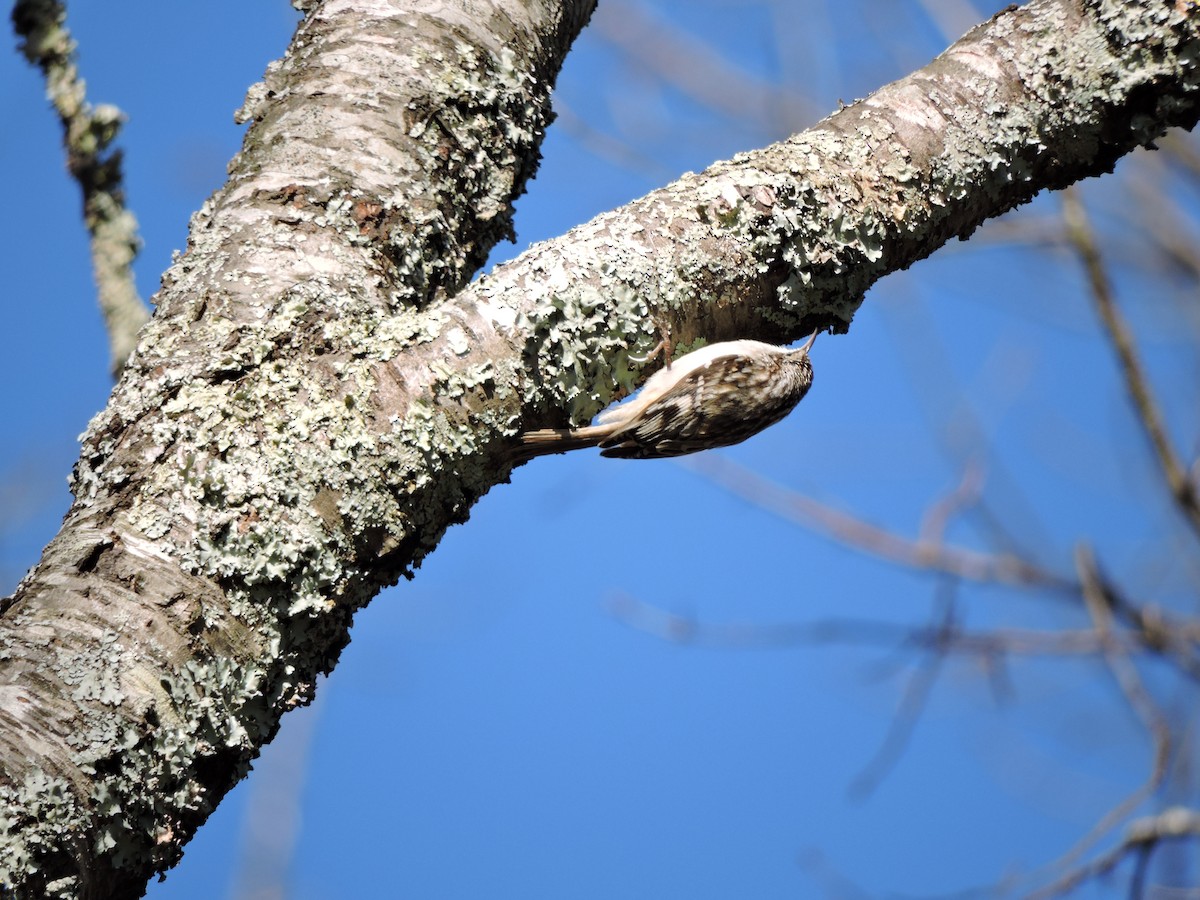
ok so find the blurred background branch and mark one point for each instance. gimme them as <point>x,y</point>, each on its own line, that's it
<point>88,135</point>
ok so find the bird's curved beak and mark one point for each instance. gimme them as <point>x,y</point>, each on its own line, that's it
<point>811,340</point>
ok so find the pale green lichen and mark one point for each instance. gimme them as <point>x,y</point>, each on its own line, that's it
<point>564,322</point>
<point>48,800</point>
<point>480,122</point>
<point>94,674</point>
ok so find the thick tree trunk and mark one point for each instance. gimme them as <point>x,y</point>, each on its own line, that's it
<point>319,395</point>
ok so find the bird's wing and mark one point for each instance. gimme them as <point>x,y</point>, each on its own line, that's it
<point>700,410</point>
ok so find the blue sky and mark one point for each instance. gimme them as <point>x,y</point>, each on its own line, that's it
<point>494,729</point>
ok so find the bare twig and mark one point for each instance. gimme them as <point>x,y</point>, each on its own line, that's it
<point>934,556</point>
<point>834,883</point>
<point>1098,598</point>
<point>1182,150</point>
<point>603,145</point>
<point>992,644</point>
<point>270,824</point>
<point>88,133</point>
<point>1176,640</point>
<point>699,70</point>
<point>1080,237</point>
<point>916,696</point>
<point>961,435</point>
<point>1141,837</point>
<point>941,512</point>
<point>1162,219</point>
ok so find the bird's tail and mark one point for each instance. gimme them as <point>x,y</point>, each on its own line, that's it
<point>557,440</point>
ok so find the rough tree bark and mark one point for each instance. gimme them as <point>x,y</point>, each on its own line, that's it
<point>320,394</point>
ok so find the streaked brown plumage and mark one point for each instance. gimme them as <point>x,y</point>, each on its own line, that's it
<point>712,397</point>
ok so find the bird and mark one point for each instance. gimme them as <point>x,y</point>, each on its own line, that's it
<point>716,396</point>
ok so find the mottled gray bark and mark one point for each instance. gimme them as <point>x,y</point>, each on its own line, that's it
<point>320,395</point>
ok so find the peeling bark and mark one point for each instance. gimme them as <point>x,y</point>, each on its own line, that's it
<point>320,393</point>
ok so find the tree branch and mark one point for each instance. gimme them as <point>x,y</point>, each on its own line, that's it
<point>1097,598</point>
<point>253,481</point>
<point>1179,482</point>
<point>1141,837</point>
<point>927,553</point>
<point>88,133</point>
<point>917,692</point>
<point>318,396</point>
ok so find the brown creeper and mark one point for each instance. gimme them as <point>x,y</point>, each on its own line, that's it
<point>712,397</point>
